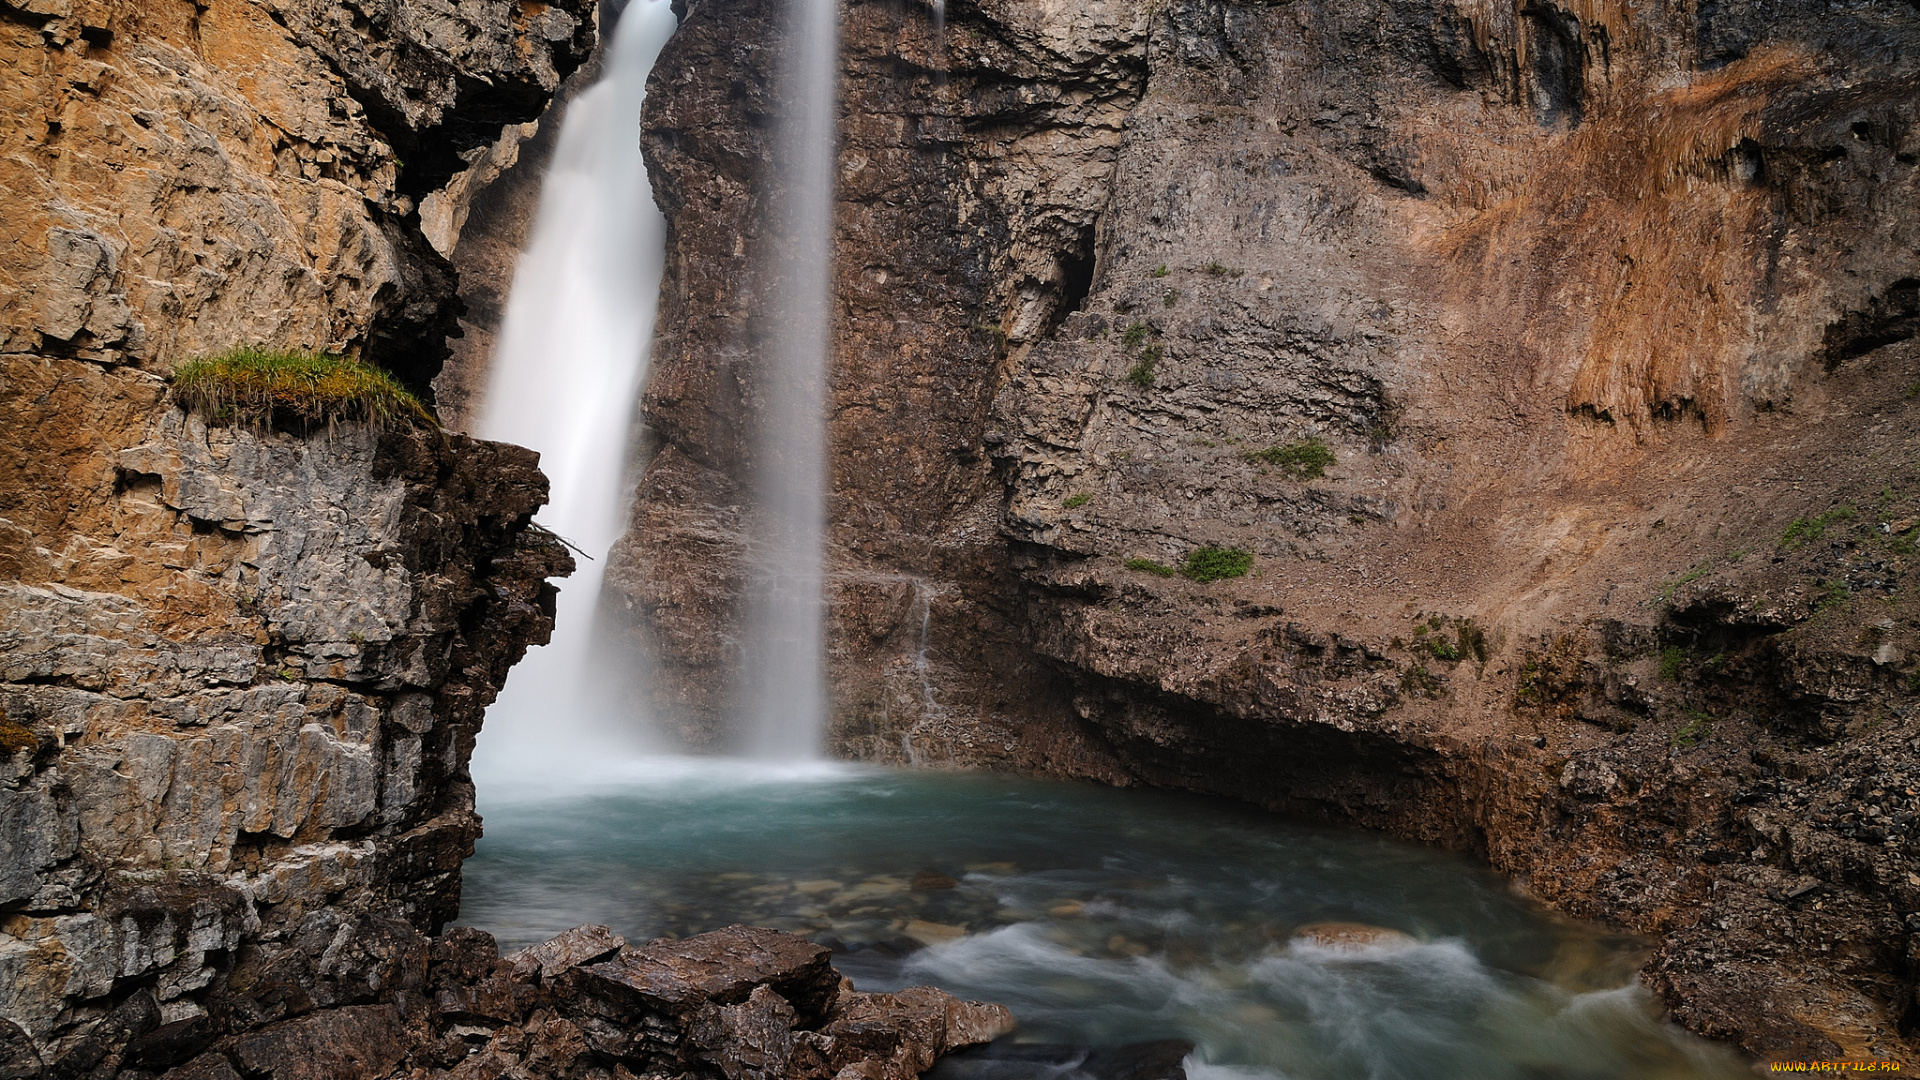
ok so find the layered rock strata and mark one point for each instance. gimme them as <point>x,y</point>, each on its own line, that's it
<point>1595,327</point>
<point>240,670</point>
<point>240,679</point>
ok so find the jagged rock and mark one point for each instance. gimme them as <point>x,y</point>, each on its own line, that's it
<point>553,958</point>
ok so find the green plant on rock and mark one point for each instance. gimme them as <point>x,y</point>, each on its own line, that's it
<point>1418,680</point>
<point>1141,373</point>
<point>255,385</point>
<point>1212,563</point>
<point>1833,593</point>
<point>1220,270</point>
<point>1076,501</point>
<point>1170,297</point>
<point>1698,726</point>
<point>1148,566</point>
<point>1134,335</point>
<point>1302,459</point>
<point>1803,531</point>
<point>1161,270</point>
<point>1672,660</point>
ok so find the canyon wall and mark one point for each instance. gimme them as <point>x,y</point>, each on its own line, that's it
<point>241,669</point>
<point>1551,368</point>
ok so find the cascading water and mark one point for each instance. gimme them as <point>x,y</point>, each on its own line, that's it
<point>784,684</point>
<point>570,361</point>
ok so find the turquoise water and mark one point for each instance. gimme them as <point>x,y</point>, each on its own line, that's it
<point>1100,916</point>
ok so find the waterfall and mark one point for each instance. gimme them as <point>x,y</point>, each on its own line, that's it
<point>568,367</point>
<point>784,682</point>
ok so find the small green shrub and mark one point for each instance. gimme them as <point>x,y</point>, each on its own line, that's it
<point>1134,335</point>
<point>1161,270</point>
<point>1170,297</point>
<point>254,385</point>
<point>1074,502</point>
<point>1218,270</point>
<point>1141,374</point>
<point>1212,563</point>
<point>1672,659</point>
<point>1442,649</point>
<point>1303,459</point>
<point>1148,566</point>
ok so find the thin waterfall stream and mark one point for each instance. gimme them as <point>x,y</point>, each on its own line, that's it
<point>1101,916</point>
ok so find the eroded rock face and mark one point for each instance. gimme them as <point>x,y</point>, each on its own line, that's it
<point>240,679</point>
<point>1585,303</point>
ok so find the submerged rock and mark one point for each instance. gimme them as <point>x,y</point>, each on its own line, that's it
<point>1351,937</point>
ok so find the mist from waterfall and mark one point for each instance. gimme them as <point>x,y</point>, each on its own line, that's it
<point>784,687</point>
<point>567,370</point>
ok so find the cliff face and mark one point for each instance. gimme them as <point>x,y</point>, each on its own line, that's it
<point>240,671</point>
<point>1604,316</point>
<point>185,177</point>
<point>241,677</point>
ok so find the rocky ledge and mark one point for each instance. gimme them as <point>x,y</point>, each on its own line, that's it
<point>736,1004</point>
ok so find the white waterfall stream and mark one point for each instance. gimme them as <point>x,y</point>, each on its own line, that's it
<point>784,689</point>
<point>567,371</point>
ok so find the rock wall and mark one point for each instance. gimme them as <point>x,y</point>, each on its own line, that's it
<point>1604,314</point>
<point>240,680</point>
<point>240,670</point>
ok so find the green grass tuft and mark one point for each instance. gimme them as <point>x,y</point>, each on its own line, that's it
<point>1148,566</point>
<point>1303,459</point>
<point>1075,502</point>
<point>1161,270</point>
<point>1672,659</point>
<point>1216,563</point>
<point>254,385</point>
<point>1134,335</point>
<point>1806,530</point>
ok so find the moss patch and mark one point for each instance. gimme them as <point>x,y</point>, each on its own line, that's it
<point>252,385</point>
<point>1148,566</point>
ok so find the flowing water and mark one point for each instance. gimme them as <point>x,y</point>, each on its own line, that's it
<point>783,672</point>
<point>568,367</point>
<point>1100,916</point>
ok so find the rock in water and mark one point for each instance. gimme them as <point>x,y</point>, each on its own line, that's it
<point>1349,936</point>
